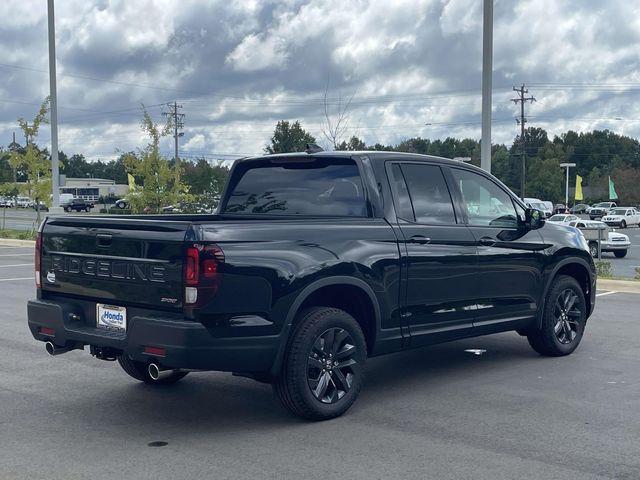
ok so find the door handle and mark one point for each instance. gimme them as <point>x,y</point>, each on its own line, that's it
<point>419,239</point>
<point>487,241</point>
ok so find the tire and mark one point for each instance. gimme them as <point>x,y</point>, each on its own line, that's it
<point>139,371</point>
<point>87,209</point>
<point>620,253</point>
<point>623,224</point>
<point>593,249</point>
<point>67,209</point>
<point>311,387</point>
<point>561,334</point>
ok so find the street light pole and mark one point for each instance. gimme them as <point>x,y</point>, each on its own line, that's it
<point>566,192</point>
<point>487,71</point>
<point>53,99</point>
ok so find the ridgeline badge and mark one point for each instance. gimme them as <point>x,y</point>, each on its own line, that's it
<point>51,277</point>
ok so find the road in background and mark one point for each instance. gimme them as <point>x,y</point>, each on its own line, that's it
<point>25,218</point>
<point>483,408</point>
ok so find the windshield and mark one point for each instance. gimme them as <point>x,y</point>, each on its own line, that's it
<point>327,187</point>
<point>557,218</point>
<point>603,204</point>
<point>618,211</point>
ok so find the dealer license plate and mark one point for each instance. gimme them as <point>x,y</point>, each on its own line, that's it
<point>111,317</point>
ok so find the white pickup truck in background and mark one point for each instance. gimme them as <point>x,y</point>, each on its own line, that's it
<point>622,217</point>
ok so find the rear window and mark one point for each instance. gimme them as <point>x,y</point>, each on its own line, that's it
<point>324,187</point>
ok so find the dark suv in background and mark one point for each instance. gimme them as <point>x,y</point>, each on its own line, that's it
<point>315,262</point>
<point>79,205</point>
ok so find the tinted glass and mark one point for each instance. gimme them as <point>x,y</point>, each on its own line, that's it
<point>305,188</point>
<point>401,199</point>
<point>487,203</point>
<point>429,194</point>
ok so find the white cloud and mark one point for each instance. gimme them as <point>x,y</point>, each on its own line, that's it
<point>238,67</point>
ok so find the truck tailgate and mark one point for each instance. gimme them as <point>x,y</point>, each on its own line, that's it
<point>124,261</point>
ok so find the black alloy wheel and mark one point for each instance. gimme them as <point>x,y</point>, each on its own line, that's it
<point>593,249</point>
<point>564,318</point>
<point>623,224</point>
<point>566,314</point>
<point>331,365</point>
<point>323,368</point>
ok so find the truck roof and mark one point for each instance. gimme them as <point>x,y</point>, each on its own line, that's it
<point>377,155</point>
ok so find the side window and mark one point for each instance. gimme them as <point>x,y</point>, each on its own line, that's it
<point>429,194</point>
<point>401,195</point>
<point>487,203</point>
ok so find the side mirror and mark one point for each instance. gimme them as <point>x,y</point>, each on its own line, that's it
<point>534,219</point>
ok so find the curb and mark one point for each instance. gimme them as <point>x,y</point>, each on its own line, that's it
<point>14,242</point>
<point>626,286</point>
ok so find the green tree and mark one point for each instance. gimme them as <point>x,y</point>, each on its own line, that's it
<point>354,144</point>
<point>161,182</point>
<point>205,181</point>
<point>289,137</point>
<point>34,162</point>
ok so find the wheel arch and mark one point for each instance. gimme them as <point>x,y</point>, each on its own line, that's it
<point>577,268</point>
<point>350,294</point>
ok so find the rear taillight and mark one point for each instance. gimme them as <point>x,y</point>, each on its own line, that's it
<point>202,273</point>
<point>37,258</point>
<point>192,266</point>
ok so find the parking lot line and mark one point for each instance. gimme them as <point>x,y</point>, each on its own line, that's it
<point>604,293</point>
<point>17,255</point>
<point>17,265</point>
<point>15,279</point>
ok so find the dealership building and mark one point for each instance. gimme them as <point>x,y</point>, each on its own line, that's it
<point>92,188</point>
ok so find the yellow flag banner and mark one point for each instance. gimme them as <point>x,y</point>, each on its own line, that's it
<point>132,181</point>
<point>579,188</point>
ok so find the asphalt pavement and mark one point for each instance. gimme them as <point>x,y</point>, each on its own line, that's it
<point>499,411</point>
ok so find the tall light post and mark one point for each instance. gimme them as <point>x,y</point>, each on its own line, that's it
<point>487,71</point>
<point>566,192</point>
<point>53,99</point>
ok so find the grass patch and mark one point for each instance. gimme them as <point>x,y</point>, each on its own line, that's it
<point>18,234</point>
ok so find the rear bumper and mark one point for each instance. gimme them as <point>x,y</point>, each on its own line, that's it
<point>188,344</point>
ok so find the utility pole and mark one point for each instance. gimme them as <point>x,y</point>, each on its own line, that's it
<point>487,71</point>
<point>178,123</point>
<point>522,91</point>
<point>53,98</point>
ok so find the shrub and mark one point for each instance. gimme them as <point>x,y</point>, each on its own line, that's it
<point>603,269</point>
<point>637,277</point>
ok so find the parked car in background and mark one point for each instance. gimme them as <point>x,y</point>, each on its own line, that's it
<point>622,217</point>
<point>560,208</point>
<point>538,205</point>
<point>40,206</point>
<point>580,208</point>
<point>599,210</point>
<point>79,205</point>
<point>5,202</point>
<point>617,243</point>
<point>563,219</point>
<point>121,204</point>
<point>23,202</point>
<point>549,209</point>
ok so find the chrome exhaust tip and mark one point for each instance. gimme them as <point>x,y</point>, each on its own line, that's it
<point>156,372</point>
<point>53,349</point>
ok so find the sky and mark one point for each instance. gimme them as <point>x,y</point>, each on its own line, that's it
<point>405,67</point>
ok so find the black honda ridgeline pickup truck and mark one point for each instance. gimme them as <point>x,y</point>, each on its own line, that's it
<point>315,262</point>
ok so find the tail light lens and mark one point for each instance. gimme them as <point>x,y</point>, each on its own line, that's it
<point>191,267</point>
<point>38,258</point>
<point>202,273</point>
